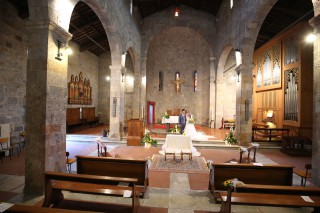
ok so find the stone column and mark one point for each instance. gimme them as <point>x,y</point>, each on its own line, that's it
<point>46,100</point>
<point>212,107</point>
<point>137,90</point>
<point>244,104</point>
<point>116,102</point>
<point>315,23</point>
<point>143,98</point>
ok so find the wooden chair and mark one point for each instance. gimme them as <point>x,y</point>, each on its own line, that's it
<point>304,174</point>
<point>4,145</point>
<point>69,161</point>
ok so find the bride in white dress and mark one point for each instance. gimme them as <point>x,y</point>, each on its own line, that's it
<point>191,131</point>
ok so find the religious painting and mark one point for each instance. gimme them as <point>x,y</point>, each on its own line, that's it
<point>79,90</point>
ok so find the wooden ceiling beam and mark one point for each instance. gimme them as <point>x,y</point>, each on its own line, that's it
<point>89,37</point>
<point>90,45</point>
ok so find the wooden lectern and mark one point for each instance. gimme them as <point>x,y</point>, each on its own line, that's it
<point>135,132</point>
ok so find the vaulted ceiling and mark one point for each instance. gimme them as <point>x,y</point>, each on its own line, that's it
<point>89,33</point>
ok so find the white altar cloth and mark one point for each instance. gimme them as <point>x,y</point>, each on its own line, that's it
<point>178,143</point>
<point>171,120</point>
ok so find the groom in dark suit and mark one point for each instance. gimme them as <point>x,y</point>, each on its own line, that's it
<point>182,121</point>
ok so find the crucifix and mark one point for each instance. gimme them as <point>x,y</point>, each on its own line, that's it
<point>178,83</point>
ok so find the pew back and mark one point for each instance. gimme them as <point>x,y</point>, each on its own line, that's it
<point>250,174</point>
<point>56,182</point>
<point>116,167</point>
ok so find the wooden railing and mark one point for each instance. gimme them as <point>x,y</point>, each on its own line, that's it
<point>269,134</point>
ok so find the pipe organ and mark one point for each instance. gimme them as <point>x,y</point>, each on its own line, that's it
<point>282,81</point>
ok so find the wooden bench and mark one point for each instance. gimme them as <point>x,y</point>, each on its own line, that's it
<point>73,117</point>
<point>55,182</point>
<point>102,149</point>
<point>248,150</point>
<point>228,198</point>
<point>251,174</point>
<point>89,115</point>
<point>116,167</point>
<point>37,209</point>
<point>275,189</point>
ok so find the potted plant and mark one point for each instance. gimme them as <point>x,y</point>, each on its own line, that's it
<point>147,140</point>
<point>230,138</point>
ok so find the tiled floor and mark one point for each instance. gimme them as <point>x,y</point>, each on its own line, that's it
<point>173,192</point>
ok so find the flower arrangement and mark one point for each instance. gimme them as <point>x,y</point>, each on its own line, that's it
<point>232,183</point>
<point>148,139</point>
<point>230,138</point>
<point>228,183</point>
<point>166,115</point>
<point>191,120</point>
<point>175,129</point>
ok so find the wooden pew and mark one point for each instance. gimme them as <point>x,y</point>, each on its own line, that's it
<point>116,167</point>
<point>89,115</point>
<point>258,199</point>
<point>37,209</point>
<point>73,117</point>
<point>275,189</point>
<point>55,182</point>
<point>251,174</point>
<point>248,150</point>
<point>102,149</point>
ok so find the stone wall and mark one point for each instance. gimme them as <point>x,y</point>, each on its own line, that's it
<point>187,50</point>
<point>226,91</point>
<point>13,64</point>
<point>179,49</point>
<point>88,64</point>
<point>104,88</point>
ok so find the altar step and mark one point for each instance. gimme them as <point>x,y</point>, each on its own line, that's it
<point>220,144</point>
<point>210,144</point>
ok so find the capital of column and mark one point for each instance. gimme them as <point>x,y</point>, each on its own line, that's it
<point>48,24</point>
<point>315,23</point>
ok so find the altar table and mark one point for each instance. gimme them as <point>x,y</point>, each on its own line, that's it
<point>178,145</point>
<point>170,120</point>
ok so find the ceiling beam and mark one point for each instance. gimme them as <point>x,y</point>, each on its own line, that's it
<point>89,37</point>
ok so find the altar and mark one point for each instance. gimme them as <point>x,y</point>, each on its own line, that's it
<point>179,145</point>
<point>170,120</point>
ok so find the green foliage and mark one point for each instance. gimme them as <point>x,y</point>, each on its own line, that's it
<point>166,115</point>
<point>148,139</point>
<point>230,138</point>
<point>175,129</point>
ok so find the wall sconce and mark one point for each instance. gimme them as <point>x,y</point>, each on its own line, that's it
<point>238,57</point>
<point>60,46</point>
<point>122,76</point>
<point>311,37</point>
<point>238,74</point>
<point>108,78</point>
